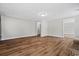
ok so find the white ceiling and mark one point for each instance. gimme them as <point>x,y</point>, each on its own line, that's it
<point>31,10</point>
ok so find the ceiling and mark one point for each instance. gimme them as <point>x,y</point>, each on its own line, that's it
<point>31,11</point>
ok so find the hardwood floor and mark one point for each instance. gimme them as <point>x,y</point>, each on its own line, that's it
<point>38,46</point>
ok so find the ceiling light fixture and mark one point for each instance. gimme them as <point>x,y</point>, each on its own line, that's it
<point>43,14</point>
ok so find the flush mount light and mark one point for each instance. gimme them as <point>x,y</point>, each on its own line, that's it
<point>43,14</point>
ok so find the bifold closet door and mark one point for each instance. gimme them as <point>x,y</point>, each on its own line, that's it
<point>69,27</point>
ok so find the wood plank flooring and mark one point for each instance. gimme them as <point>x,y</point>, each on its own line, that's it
<point>38,46</point>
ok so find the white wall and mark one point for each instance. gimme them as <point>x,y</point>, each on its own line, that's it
<point>77,26</point>
<point>14,28</point>
<point>0,27</point>
<point>55,28</point>
<point>44,28</point>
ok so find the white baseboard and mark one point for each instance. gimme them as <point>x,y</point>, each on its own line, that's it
<point>16,37</point>
<point>56,35</point>
<point>30,36</point>
<point>44,35</point>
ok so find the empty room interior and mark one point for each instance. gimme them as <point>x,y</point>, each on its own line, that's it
<point>39,29</point>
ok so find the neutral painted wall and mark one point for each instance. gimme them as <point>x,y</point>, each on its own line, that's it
<point>77,26</point>
<point>14,28</point>
<point>0,27</point>
<point>44,28</point>
<point>55,28</point>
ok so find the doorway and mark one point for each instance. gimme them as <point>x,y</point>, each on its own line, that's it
<point>38,29</point>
